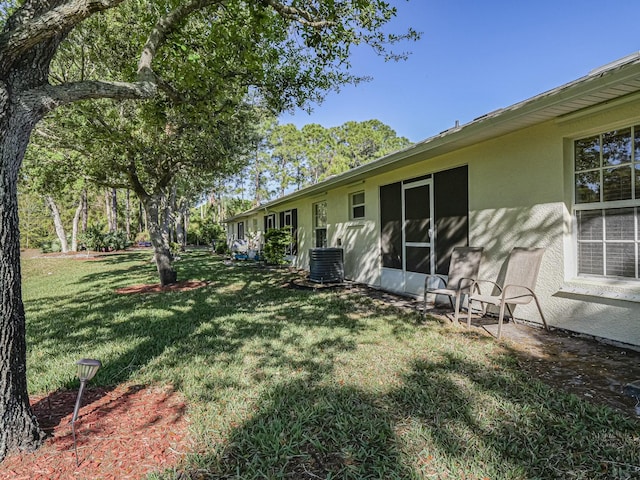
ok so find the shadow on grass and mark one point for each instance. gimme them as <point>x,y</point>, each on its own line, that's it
<point>491,418</point>
<point>451,418</point>
<point>131,332</point>
<point>245,342</point>
<point>305,431</point>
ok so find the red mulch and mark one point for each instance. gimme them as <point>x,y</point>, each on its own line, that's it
<point>125,433</point>
<point>155,287</point>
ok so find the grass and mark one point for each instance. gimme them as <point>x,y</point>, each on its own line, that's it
<point>286,383</point>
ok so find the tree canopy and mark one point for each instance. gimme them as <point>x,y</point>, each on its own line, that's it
<point>287,52</point>
<point>292,158</point>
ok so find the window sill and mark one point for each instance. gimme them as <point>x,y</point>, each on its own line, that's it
<point>602,288</point>
<point>356,223</point>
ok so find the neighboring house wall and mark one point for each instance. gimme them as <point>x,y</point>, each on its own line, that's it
<point>520,193</point>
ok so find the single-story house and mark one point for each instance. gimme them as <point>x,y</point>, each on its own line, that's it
<point>560,170</point>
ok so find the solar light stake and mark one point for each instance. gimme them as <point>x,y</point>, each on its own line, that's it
<point>87,369</point>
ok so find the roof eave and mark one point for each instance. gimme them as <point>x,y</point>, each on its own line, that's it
<point>480,129</point>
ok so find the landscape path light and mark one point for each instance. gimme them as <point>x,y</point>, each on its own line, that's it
<point>87,369</point>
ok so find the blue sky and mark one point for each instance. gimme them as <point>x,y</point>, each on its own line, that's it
<point>477,56</point>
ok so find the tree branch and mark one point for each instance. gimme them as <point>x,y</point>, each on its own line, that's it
<point>26,31</point>
<point>174,95</point>
<point>299,15</point>
<point>135,183</point>
<point>49,97</point>
<point>163,29</point>
<point>63,143</point>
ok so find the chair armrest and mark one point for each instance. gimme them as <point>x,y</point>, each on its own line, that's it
<point>470,282</point>
<point>477,282</point>
<point>434,275</point>
<point>511,286</point>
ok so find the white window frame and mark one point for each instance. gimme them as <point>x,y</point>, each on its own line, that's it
<point>271,218</point>
<point>288,219</point>
<point>603,206</point>
<point>288,222</point>
<point>353,205</point>
<point>317,225</point>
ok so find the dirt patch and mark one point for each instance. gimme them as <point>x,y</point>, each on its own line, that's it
<point>128,432</point>
<point>156,287</point>
<point>583,366</point>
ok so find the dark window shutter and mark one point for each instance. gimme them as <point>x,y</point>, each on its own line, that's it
<point>391,225</point>
<point>294,231</point>
<point>451,212</point>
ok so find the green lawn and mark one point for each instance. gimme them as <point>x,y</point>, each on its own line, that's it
<point>285,383</point>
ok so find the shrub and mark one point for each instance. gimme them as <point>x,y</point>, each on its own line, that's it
<point>116,241</point>
<point>213,231</point>
<point>50,246</point>
<point>276,242</point>
<point>205,231</point>
<point>94,238</point>
<point>143,237</point>
<point>221,247</point>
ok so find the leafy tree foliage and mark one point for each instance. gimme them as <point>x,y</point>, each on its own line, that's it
<point>292,158</point>
<point>34,220</point>
<point>357,143</point>
<point>289,51</point>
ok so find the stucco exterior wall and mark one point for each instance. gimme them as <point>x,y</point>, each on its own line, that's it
<point>520,194</point>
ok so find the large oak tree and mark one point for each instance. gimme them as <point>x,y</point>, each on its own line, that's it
<point>315,37</point>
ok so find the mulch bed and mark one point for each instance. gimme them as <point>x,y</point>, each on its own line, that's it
<point>125,433</point>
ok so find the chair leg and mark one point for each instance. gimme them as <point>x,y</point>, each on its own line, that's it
<point>544,321</point>
<point>512,317</point>
<point>451,302</point>
<point>424,305</point>
<point>456,308</point>
<point>501,317</point>
<point>469,313</point>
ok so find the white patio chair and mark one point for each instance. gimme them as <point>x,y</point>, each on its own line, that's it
<point>463,271</point>
<point>518,287</point>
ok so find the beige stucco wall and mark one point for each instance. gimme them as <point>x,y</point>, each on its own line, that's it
<point>520,194</point>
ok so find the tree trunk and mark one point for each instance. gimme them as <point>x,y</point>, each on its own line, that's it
<point>128,214</point>
<point>111,208</point>
<point>18,427</point>
<point>180,229</point>
<point>181,223</point>
<point>114,210</point>
<point>187,218</point>
<point>76,221</point>
<point>159,232</point>
<point>57,222</point>
<point>141,217</point>
<point>85,210</point>
<point>107,207</point>
<point>170,208</point>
